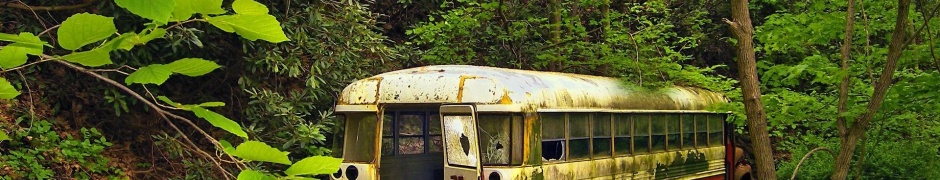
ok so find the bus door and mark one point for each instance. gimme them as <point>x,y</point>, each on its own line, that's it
<point>461,145</point>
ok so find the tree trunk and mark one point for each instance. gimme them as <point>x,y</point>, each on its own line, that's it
<point>555,64</point>
<point>849,142</point>
<point>743,31</point>
<point>846,49</point>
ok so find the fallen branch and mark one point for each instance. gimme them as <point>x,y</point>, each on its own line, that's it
<point>797,169</point>
<point>22,6</point>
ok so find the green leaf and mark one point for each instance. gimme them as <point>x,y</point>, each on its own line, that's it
<point>81,29</point>
<point>152,74</point>
<point>220,121</point>
<point>92,58</point>
<point>140,39</point>
<point>227,147</point>
<point>212,104</point>
<point>6,90</point>
<point>156,10</point>
<point>249,7</point>
<point>119,42</point>
<point>251,26</point>
<point>168,101</point>
<point>249,174</point>
<point>258,151</point>
<point>3,136</point>
<point>192,66</point>
<point>315,165</point>
<point>185,9</point>
<point>23,37</point>
<point>12,56</point>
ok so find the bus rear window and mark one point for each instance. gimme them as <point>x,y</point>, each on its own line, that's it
<point>494,139</point>
<point>360,137</point>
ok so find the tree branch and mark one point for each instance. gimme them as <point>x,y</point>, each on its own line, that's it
<point>15,5</point>
<point>846,49</point>
<point>797,168</point>
<point>156,108</point>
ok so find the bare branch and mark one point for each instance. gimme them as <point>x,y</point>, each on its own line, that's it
<point>47,8</point>
<point>797,168</point>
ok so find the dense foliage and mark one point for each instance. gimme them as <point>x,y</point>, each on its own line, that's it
<point>282,93</point>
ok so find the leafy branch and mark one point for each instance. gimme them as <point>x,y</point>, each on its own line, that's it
<point>250,20</point>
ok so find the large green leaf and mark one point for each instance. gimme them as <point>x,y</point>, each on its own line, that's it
<point>6,90</point>
<point>315,165</point>
<point>192,66</point>
<point>81,29</point>
<point>251,26</point>
<point>258,151</point>
<point>152,74</point>
<point>156,10</point>
<point>249,7</point>
<point>23,37</point>
<point>12,56</point>
<point>219,121</point>
<point>249,174</point>
<point>92,58</point>
<point>185,9</point>
<point>227,147</point>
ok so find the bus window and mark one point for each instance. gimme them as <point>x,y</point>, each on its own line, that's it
<point>641,133</point>
<point>673,131</point>
<point>516,142</point>
<point>580,136</point>
<point>701,130</point>
<point>622,137</point>
<point>494,139</point>
<point>411,134</point>
<point>388,141</point>
<point>688,131</point>
<point>360,137</point>
<point>601,138</point>
<point>715,127</point>
<point>658,129</point>
<point>434,132</point>
<point>338,133</point>
<point>553,136</point>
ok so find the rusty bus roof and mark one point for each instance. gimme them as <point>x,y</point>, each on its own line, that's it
<point>526,89</point>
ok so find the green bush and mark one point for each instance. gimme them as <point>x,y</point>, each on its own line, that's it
<point>901,160</point>
<point>38,152</point>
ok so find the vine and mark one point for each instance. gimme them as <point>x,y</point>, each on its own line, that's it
<point>249,20</point>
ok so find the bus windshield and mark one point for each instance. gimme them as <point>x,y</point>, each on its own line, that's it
<point>360,137</point>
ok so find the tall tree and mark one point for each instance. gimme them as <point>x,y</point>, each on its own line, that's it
<point>899,40</point>
<point>743,31</point>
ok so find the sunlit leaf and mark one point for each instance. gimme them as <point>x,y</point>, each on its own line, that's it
<point>23,37</point>
<point>249,7</point>
<point>192,66</point>
<point>249,174</point>
<point>251,26</point>
<point>185,9</point>
<point>139,39</point>
<point>220,121</point>
<point>156,10</point>
<point>92,58</point>
<point>168,101</point>
<point>258,151</point>
<point>6,90</point>
<point>152,74</point>
<point>315,165</point>
<point>227,146</point>
<point>212,104</point>
<point>81,29</point>
<point>12,56</point>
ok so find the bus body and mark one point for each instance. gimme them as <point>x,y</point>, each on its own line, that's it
<point>471,122</point>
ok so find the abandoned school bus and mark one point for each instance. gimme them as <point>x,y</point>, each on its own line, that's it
<point>470,122</point>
